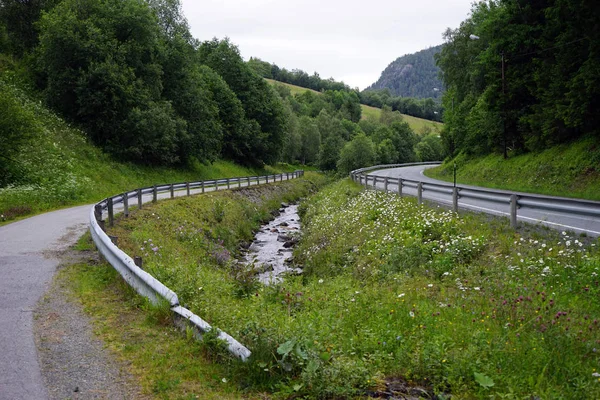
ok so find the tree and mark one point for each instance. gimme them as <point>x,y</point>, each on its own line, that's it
<point>430,148</point>
<point>262,107</point>
<point>358,153</point>
<point>100,60</point>
<point>311,140</point>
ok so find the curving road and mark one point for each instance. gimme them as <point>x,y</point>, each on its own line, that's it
<point>553,219</point>
<point>29,256</point>
<point>28,259</point>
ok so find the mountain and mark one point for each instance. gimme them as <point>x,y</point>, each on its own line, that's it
<point>412,75</point>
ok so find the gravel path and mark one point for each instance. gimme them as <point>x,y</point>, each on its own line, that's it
<point>74,362</point>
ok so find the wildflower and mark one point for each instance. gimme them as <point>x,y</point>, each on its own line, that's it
<point>401,294</point>
<point>430,285</point>
<point>320,280</point>
<point>477,288</point>
<point>412,314</point>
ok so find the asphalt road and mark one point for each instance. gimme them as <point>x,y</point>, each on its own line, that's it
<point>553,219</point>
<point>29,256</point>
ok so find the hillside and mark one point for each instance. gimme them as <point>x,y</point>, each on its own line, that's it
<point>568,170</point>
<point>416,124</point>
<point>412,75</point>
<point>57,166</point>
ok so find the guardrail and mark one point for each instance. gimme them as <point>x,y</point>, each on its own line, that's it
<point>144,283</point>
<point>514,201</point>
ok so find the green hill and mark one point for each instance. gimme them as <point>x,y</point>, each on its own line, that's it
<point>57,166</point>
<point>416,124</point>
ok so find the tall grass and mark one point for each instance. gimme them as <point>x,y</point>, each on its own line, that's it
<point>460,305</point>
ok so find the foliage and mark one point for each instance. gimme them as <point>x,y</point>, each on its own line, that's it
<point>421,108</point>
<point>412,75</point>
<point>263,108</point>
<point>358,153</point>
<point>568,170</point>
<point>527,83</point>
<point>460,305</point>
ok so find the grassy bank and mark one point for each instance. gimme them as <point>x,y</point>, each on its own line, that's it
<point>391,292</point>
<point>59,167</point>
<point>569,170</point>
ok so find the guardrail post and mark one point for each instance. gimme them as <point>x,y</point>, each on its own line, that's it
<point>228,183</point>
<point>385,184</point>
<point>248,181</point>
<point>455,199</point>
<point>137,260</point>
<point>513,211</point>
<point>187,188</point>
<point>216,184</point>
<point>126,204</point>
<point>111,216</point>
<point>140,200</point>
<point>172,188</point>
<point>154,194</point>
<point>366,182</point>
<point>202,186</point>
<point>239,182</point>
<point>400,187</point>
<point>420,193</point>
<point>267,178</point>
<point>98,212</point>
<point>281,177</point>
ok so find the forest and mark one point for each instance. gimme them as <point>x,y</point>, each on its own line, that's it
<point>412,75</point>
<point>130,75</point>
<point>425,108</point>
<point>521,76</point>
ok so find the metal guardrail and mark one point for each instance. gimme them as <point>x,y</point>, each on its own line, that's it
<point>514,201</point>
<point>144,283</point>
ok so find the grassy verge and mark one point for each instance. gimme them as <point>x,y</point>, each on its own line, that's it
<point>570,170</point>
<point>167,364</point>
<point>58,167</point>
<point>391,292</point>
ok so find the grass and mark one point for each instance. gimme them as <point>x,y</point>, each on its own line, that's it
<point>416,124</point>
<point>391,291</point>
<point>568,170</point>
<point>165,363</point>
<point>59,167</point>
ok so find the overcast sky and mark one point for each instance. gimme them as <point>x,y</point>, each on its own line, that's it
<point>351,41</point>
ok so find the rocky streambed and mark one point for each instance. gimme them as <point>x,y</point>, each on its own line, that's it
<point>271,251</point>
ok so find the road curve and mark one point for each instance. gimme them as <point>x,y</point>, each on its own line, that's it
<point>557,220</point>
<point>28,259</point>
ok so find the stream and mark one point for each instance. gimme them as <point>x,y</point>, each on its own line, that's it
<point>272,247</point>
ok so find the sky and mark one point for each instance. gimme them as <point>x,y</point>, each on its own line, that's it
<point>351,41</point>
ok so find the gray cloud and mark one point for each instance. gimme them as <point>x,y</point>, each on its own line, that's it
<point>351,40</point>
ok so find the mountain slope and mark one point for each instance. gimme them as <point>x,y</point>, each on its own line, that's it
<point>412,75</point>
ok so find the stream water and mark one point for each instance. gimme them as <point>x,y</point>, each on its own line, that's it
<point>272,247</point>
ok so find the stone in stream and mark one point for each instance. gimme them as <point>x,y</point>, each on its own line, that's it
<point>285,205</point>
<point>290,243</point>
<point>284,224</point>
<point>274,230</point>
<point>284,238</point>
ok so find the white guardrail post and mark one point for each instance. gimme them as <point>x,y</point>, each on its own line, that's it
<point>144,283</point>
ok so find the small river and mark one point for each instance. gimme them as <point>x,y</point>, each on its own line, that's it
<point>272,247</point>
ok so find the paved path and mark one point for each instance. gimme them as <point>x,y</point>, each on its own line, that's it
<point>29,257</point>
<point>552,219</point>
<point>27,263</point>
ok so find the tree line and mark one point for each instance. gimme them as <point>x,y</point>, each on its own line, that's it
<point>426,108</point>
<point>521,76</point>
<point>143,89</point>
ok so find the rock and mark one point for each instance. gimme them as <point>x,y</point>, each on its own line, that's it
<point>274,230</point>
<point>275,213</point>
<point>284,224</point>
<point>284,238</point>
<point>284,205</point>
<point>290,243</point>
